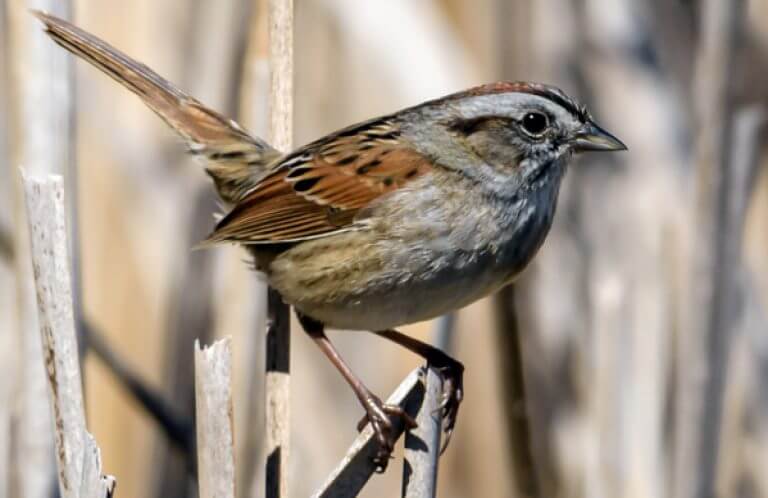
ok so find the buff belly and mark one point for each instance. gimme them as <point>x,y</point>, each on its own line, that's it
<point>398,268</point>
<point>355,284</point>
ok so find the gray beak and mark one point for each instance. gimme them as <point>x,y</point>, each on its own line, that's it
<point>593,138</point>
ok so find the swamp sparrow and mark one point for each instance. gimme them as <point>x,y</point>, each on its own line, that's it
<point>391,221</point>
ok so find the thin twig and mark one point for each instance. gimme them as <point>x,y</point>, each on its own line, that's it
<point>357,466</point>
<point>78,457</point>
<point>215,434</point>
<point>422,444</point>
<point>277,396</point>
<point>278,323</point>
<point>281,73</point>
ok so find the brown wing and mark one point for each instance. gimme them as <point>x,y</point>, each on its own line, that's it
<point>321,188</point>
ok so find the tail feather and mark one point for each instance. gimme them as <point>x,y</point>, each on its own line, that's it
<point>235,160</point>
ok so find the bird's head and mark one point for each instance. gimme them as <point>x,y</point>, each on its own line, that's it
<point>520,128</point>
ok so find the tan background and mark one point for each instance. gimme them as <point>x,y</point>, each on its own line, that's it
<point>600,309</point>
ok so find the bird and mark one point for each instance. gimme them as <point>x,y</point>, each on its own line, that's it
<point>387,222</point>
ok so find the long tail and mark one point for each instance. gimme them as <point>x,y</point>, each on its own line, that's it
<point>235,159</point>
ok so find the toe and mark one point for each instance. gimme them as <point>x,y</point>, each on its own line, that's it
<point>397,411</point>
<point>453,394</point>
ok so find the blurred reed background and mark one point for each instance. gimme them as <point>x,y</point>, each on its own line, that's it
<point>641,324</point>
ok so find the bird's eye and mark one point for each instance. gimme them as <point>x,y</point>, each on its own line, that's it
<point>535,123</point>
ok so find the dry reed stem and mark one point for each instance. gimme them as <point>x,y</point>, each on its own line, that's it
<point>40,87</point>
<point>78,457</point>
<point>354,470</point>
<point>215,433</point>
<point>278,323</point>
<point>422,444</point>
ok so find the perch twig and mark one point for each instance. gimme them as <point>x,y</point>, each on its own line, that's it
<point>357,466</point>
<point>422,444</point>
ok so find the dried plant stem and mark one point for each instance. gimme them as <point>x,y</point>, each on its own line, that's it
<point>78,457</point>
<point>281,73</point>
<point>354,470</point>
<point>215,434</point>
<point>41,118</point>
<point>422,444</point>
<point>278,323</point>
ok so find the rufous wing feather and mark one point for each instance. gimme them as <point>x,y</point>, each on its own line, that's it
<point>321,188</point>
<point>236,160</point>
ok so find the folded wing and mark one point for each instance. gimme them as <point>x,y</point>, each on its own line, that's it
<point>321,188</point>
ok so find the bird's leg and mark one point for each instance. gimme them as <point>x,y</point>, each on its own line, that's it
<point>377,412</point>
<point>451,370</point>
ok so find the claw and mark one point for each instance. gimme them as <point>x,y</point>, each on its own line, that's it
<point>379,415</point>
<point>410,422</point>
<point>391,411</point>
<point>362,423</point>
<point>453,395</point>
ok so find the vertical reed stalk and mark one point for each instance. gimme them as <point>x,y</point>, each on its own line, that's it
<point>41,122</point>
<point>77,456</point>
<point>278,320</point>
<point>215,434</point>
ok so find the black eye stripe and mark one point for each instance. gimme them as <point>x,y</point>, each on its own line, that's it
<point>534,123</point>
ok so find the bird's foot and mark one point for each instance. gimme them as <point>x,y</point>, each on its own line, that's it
<point>453,394</point>
<point>380,416</point>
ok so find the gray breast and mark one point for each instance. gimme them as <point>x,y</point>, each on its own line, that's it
<point>448,246</point>
<point>525,222</point>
